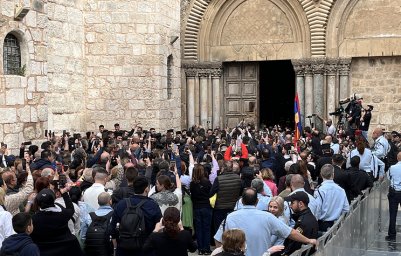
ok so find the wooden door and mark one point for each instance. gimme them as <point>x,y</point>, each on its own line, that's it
<point>241,89</point>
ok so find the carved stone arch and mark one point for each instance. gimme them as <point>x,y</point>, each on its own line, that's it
<point>317,13</point>
<point>335,25</point>
<point>376,30</point>
<point>203,23</point>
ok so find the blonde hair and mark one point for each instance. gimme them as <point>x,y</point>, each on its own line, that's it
<point>233,240</point>
<point>280,203</point>
<point>2,195</point>
<point>267,174</point>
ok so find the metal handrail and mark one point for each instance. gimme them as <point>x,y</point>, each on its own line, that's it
<point>327,236</point>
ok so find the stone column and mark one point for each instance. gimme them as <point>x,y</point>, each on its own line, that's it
<point>210,100</point>
<point>196,101</point>
<point>300,88</point>
<point>344,68</point>
<point>190,74</point>
<point>203,78</point>
<point>318,90</point>
<point>331,72</point>
<point>308,92</point>
<point>216,75</point>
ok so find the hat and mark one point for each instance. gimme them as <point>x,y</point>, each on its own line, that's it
<point>358,96</point>
<point>370,107</point>
<point>45,198</point>
<point>299,196</point>
<point>395,134</point>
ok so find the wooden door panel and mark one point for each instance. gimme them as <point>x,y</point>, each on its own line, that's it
<point>241,92</point>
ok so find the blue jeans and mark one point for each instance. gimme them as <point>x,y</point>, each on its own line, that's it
<point>203,223</point>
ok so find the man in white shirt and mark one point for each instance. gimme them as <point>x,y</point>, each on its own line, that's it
<point>91,194</point>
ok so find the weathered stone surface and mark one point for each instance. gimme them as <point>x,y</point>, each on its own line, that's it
<point>15,97</point>
<point>29,133</point>
<point>11,140</point>
<point>24,114</point>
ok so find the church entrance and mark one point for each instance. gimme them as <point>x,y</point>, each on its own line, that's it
<point>276,93</point>
<point>259,92</point>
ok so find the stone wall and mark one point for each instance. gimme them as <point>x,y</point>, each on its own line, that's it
<point>126,49</point>
<point>66,65</point>
<point>379,81</point>
<point>23,102</point>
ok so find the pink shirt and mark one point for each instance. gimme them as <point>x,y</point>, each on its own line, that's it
<point>272,186</point>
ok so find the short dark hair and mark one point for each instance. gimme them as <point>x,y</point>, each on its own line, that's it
<point>45,154</point>
<point>21,221</point>
<point>101,126</point>
<point>249,197</point>
<point>131,173</point>
<point>355,160</point>
<point>140,184</point>
<point>337,159</point>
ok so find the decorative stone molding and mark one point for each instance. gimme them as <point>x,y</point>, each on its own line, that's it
<point>331,67</point>
<point>318,66</point>
<point>192,29</point>
<point>204,72</point>
<point>317,13</point>
<point>191,72</point>
<point>216,72</point>
<point>344,65</point>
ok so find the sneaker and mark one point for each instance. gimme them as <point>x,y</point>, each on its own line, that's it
<point>207,252</point>
<point>390,238</point>
<point>200,252</point>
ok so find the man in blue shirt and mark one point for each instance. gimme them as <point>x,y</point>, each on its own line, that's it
<point>394,196</point>
<point>259,226</point>
<point>331,199</point>
<point>264,195</point>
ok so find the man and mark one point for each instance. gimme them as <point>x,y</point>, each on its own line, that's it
<point>259,226</point>
<point>330,128</point>
<point>331,199</point>
<point>20,243</point>
<point>354,113</point>
<point>341,177</point>
<point>4,158</point>
<point>359,179</point>
<point>46,160</point>
<point>397,139</point>
<point>297,185</point>
<point>95,245</point>
<point>326,156</point>
<point>380,147</point>
<point>91,194</point>
<point>263,198</point>
<point>333,144</point>
<point>305,222</point>
<point>150,208</point>
<point>124,192</point>
<point>13,200</point>
<point>227,186</point>
<point>365,121</point>
<point>394,197</point>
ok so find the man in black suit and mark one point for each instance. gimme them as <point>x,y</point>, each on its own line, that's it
<point>359,179</point>
<point>341,177</point>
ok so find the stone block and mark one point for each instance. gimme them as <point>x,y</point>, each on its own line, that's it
<point>12,81</point>
<point>34,114</point>
<point>15,97</point>
<point>11,140</point>
<point>42,84</point>
<point>24,114</point>
<point>90,37</point>
<point>29,133</point>
<point>30,19</point>
<point>42,113</point>
<point>7,8</point>
<point>36,68</point>
<point>13,128</point>
<point>60,13</point>
<point>136,104</point>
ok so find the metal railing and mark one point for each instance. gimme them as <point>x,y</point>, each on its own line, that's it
<point>353,232</point>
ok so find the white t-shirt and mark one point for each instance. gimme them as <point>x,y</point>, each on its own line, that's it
<point>6,225</point>
<point>91,194</point>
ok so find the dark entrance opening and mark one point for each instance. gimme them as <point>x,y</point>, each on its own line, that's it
<point>276,93</point>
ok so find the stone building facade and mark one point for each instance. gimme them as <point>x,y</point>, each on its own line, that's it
<point>172,63</point>
<point>90,62</point>
<point>337,48</point>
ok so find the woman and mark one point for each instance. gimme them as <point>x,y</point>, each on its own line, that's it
<point>365,156</point>
<point>169,237</point>
<point>6,225</point>
<point>233,243</point>
<point>40,183</point>
<point>200,188</point>
<point>51,232</point>
<point>276,207</point>
<point>304,172</point>
<point>167,195</point>
<point>268,178</point>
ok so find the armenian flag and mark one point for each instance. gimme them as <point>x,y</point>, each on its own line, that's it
<point>298,124</point>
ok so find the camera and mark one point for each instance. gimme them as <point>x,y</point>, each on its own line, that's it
<point>338,112</point>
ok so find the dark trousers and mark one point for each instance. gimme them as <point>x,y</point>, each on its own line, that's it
<point>324,225</point>
<point>394,199</point>
<point>203,223</point>
<point>218,216</point>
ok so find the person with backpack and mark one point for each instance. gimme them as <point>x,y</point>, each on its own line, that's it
<point>136,217</point>
<point>169,237</point>
<point>20,243</point>
<point>95,231</point>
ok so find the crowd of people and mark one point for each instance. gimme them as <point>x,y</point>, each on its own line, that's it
<point>244,190</point>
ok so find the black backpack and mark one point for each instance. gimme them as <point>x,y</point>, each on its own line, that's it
<point>97,240</point>
<point>132,227</point>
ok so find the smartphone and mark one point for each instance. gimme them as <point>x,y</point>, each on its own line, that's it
<point>59,168</point>
<point>45,133</point>
<point>62,181</point>
<point>174,148</point>
<point>172,165</point>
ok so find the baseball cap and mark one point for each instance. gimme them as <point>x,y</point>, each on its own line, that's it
<point>299,196</point>
<point>45,198</point>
